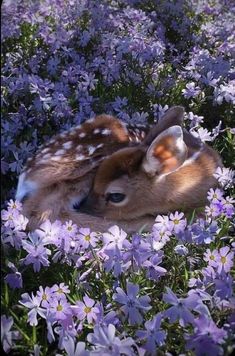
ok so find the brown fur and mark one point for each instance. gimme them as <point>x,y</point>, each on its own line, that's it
<point>120,164</point>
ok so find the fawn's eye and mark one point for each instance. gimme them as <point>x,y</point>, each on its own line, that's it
<point>115,197</point>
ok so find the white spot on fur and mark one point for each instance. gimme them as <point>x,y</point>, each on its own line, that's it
<point>90,120</point>
<point>59,153</point>
<point>96,131</point>
<point>91,150</point>
<point>106,132</point>
<point>46,156</point>
<point>80,157</point>
<point>67,145</point>
<point>24,187</point>
<point>45,150</point>
<point>100,145</point>
<point>82,134</point>
<point>56,158</point>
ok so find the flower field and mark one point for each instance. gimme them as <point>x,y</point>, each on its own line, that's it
<point>72,291</point>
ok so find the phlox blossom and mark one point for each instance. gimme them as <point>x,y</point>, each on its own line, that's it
<point>132,305</point>
<point>86,309</point>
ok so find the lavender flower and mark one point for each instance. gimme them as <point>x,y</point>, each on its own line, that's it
<point>178,222</point>
<point>73,349</point>
<point>181,308</point>
<point>206,336</point>
<point>225,177</point>
<point>191,91</point>
<point>37,253</point>
<point>8,336</point>
<point>14,279</point>
<point>132,306</point>
<point>106,343</point>
<point>86,309</point>
<point>87,238</point>
<point>114,237</point>
<point>153,335</point>
<point>224,259</point>
<point>59,309</point>
<point>154,271</point>
<point>32,303</point>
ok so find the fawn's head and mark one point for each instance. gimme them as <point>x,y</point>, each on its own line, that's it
<point>169,170</point>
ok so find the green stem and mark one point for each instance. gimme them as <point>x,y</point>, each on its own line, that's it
<point>34,335</point>
<point>6,295</point>
<point>18,327</point>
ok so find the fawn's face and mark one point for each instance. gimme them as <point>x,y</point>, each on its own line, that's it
<point>153,178</point>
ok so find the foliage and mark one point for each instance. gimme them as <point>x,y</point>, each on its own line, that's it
<point>72,291</point>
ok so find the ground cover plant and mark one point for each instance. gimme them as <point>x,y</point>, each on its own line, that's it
<point>70,291</point>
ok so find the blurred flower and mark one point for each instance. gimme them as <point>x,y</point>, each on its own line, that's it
<point>114,237</point>
<point>225,176</point>
<point>153,335</point>
<point>106,343</point>
<point>14,279</point>
<point>8,336</point>
<point>206,336</point>
<point>191,90</point>
<point>33,303</point>
<point>181,250</point>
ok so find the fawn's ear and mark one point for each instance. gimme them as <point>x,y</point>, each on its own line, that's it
<point>166,153</point>
<point>173,116</point>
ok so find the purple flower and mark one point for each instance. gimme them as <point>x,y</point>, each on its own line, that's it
<point>8,336</point>
<point>50,232</point>
<point>224,259</point>
<point>161,236</point>
<point>73,349</point>
<point>115,237</point>
<point>86,310</point>
<point>87,238</point>
<point>14,279</point>
<point>195,120</point>
<point>181,308</point>
<point>225,177</point>
<point>37,253</point>
<point>210,257</point>
<point>153,335</point>
<point>153,270</point>
<point>113,261</point>
<point>178,222</point>
<point>132,306</point>
<point>45,295</point>
<point>206,336</point>
<point>162,223</point>
<point>60,290</point>
<point>203,134</point>
<point>59,309</point>
<point>181,250</point>
<point>191,91</point>
<point>136,252</point>
<point>32,303</point>
<point>105,342</point>
<point>215,195</point>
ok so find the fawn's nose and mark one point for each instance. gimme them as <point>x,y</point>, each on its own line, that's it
<point>87,206</point>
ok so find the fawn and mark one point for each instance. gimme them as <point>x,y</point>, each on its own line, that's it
<point>105,172</point>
